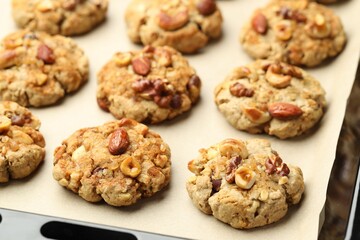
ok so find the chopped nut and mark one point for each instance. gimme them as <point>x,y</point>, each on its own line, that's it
<point>206,7</point>
<point>283,180</point>
<point>239,90</point>
<point>130,167</point>
<point>41,79</point>
<point>6,58</point>
<point>119,142</point>
<point>45,6</point>
<point>275,195</point>
<point>254,114</point>
<point>283,30</point>
<point>319,20</point>
<point>122,59</point>
<point>284,170</point>
<point>193,87</point>
<point>233,148</point>
<point>318,28</point>
<point>195,168</point>
<point>245,177</point>
<point>284,111</point>
<point>292,14</point>
<point>5,123</point>
<point>45,54</point>
<point>164,57</point>
<point>141,65</point>
<point>103,104</point>
<point>231,168</point>
<point>17,120</point>
<point>264,195</point>
<point>173,22</point>
<point>78,153</point>
<point>216,184</point>
<point>176,101</point>
<point>21,137</point>
<point>259,23</point>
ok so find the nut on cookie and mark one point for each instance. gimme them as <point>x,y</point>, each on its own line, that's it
<point>245,184</point>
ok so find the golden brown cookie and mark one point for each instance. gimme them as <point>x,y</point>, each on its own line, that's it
<point>184,25</point>
<point>245,184</point>
<point>119,161</point>
<point>22,146</point>
<point>65,17</point>
<point>272,97</point>
<point>37,69</point>
<point>151,85</point>
<point>296,32</point>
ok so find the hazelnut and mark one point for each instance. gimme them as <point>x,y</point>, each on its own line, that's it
<point>245,177</point>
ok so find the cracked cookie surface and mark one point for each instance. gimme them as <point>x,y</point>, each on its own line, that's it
<point>37,69</point>
<point>22,146</point>
<point>296,32</point>
<point>272,97</point>
<point>151,85</point>
<point>120,162</point>
<point>64,17</point>
<point>245,184</point>
<point>184,25</point>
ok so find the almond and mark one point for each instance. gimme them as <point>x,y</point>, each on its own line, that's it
<point>284,111</point>
<point>173,22</point>
<point>141,65</point>
<point>259,23</point>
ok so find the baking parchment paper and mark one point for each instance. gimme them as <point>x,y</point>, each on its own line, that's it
<point>170,211</point>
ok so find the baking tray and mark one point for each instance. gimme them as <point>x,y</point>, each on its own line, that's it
<point>171,212</point>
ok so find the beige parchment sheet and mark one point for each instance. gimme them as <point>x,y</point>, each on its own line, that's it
<point>171,212</point>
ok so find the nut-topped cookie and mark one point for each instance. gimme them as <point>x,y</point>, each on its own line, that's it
<point>65,17</point>
<point>184,25</point>
<point>245,184</point>
<point>22,146</point>
<point>272,97</point>
<point>120,161</point>
<point>296,32</point>
<point>37,69</point>
<point>151,85</point>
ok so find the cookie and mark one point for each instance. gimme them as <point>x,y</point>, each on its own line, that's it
<point>22,146</point>
<point>151,85</point>
<point>119,161</point>
<point>37,69</point>
<point>65,17</point>
<point>184,25</point>
<point>297,32</point>
<point>245,184</point>
<point>272,97</point>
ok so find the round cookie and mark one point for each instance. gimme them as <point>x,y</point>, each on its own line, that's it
<point>65,17</point>
<point>119,161</point>
<point>244,183</point>
<point>272,97</point>
<point>296,32</point>
<point>184,25</point>
<point>151,85</point>
<point>37,69</point>
<point>22,146</point>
